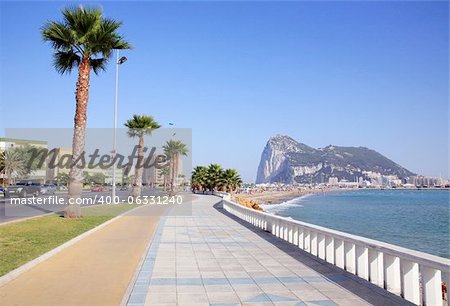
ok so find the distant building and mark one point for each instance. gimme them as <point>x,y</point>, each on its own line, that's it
<point>65,153</point>
<point>333,181</point>
<point>7,143</point>
<point>153,176</point>
<point>10,143</point>
<point>426,181</point>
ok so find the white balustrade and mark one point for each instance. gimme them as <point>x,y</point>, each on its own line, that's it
<point>329,249</point>
<point>362,262</point>
<point>339,253</point>
<point>413,275</point>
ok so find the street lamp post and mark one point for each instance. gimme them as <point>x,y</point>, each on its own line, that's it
<point>119,61</point>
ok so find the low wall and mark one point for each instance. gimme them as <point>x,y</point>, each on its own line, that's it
<point>413,275</point>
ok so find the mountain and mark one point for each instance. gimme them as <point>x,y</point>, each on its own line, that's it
<point>285,160</point>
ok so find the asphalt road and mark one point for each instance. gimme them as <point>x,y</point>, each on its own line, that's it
<point>10,211</point>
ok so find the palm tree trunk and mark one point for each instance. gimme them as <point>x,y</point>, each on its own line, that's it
<point>174,172</point>
<point>172,181</point>
<point>137,186</point>
<point>73,210</point>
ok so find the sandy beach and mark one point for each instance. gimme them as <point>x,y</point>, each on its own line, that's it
<point>278,196</point>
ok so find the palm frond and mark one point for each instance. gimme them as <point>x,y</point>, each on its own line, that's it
<point>122,44</point>
<point>174,147</point>
<point>86,33</point>
<point>59,35</point>
<point>140,125</point>
<point>98,64</point>
<point>110,25</point>
<point>65,61</point>
<point>82,20</point>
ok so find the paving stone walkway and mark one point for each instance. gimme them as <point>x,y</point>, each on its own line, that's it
<point>212,258</point>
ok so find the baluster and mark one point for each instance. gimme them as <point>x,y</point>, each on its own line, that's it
<point>376,268</point>
<point>349,249</point>
<point>286,231</point>
<point>295,235</point>
<point>321,246</point>
<point>291,234</point>
<point>362,262</point>
<point>339,253</point>
<point>301,238</point>
<point>392,274</point>
<point>411,281</point>
<point>432,286</point>
<point>307,241</point>
<point>329,245</point>
<point>313,244</point>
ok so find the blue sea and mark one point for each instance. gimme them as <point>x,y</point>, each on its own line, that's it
<point>415,219</point>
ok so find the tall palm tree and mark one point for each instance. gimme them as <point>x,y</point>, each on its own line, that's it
<point>165,173</point>
<point>139,126</point>
<point>173,149</point>
<point>83,40</point>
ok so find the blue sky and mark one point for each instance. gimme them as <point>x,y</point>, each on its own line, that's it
<point>371,74</point>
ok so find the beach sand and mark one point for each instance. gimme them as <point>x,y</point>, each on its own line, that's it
<point>276,197</point>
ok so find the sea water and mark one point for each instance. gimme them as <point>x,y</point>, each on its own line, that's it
<point>415,219</point>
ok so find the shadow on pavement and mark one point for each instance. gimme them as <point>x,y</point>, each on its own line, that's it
<point>360,287</point>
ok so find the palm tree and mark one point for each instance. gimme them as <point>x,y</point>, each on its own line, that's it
<point>198,179</point>
<point>12,165</point>
<point>139,126</point>
<point>230,180</point>
<point>83,40</point>
<point>214,173</point>
<point>213,177</point>
<point>173,149</point>
<point>165,173</point>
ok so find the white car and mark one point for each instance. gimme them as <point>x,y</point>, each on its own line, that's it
<point>48,189</point>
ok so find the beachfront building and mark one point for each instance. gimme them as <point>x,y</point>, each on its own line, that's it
<point>347,184</point>
<point>427,181</point>
<point>333,181</point>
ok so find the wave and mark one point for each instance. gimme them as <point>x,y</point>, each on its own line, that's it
<point>295,202</point>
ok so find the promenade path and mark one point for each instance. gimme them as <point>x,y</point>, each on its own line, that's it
<point>94,271</point>
<point>212,258</point>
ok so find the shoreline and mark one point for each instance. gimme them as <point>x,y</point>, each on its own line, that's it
<point>267,198</point>
<point>282,196</point>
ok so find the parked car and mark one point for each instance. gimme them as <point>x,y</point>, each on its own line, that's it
<point>123,188</point>
<point>97,189</point>
<point>2,190</point>
<point>48,189</point>
<point>23,189</point>
<point>61,188</point>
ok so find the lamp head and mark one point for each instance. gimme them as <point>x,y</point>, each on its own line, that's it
<point>122,60</point>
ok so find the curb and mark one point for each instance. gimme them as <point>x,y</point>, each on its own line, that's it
<point>43,215</point>
<point>27,218</point>
<point>8,277</point>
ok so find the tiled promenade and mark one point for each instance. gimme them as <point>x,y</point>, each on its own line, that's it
<point>211,258</point>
